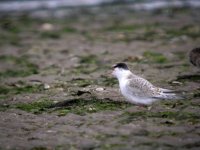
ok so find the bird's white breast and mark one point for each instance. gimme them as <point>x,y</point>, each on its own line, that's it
<point>124,90</point>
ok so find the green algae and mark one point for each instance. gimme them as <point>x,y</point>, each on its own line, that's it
<point>160,134</point>
<point>76,106</point>
<point>177,116</point>
<point>155,57</point>
<point>84,69</point>
<point>50,34</point>
<point>88,64</point>
<point>89,59</point>
<point>9,38</point>
<point>69,30</point>
<point>36,107</point>
<point>109,146</point>
<point>10,25</point>
<point>130,27</point>
<point>188,30</point>
<point>18,73</point>
<point>196,93</point>
<point>7,91</point>
<point>82,106</point>
<point>23,67</point>
<point>40,148</point>
<point>4,107</point>
<point>106,81</point>
<point>11,29</point>
<point>192,78</point>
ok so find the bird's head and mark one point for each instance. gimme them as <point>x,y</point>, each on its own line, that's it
<point>120,70</point>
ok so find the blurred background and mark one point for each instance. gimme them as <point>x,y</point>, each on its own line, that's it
<point>33,5</point>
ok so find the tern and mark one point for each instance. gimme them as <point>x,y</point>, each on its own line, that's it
<point>138,90</point>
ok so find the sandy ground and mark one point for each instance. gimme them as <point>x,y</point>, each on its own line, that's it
<point>56,91</point>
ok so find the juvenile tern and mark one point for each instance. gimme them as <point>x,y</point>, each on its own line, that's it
<point>138,90</point>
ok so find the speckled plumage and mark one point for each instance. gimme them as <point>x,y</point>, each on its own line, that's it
<point>138,90</point>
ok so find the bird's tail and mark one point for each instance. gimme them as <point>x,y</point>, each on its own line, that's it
<point>169,94</point>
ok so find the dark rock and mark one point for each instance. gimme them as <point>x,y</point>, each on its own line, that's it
<point>195,57</point>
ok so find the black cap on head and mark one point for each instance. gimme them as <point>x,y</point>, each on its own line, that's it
<point>121,65</point>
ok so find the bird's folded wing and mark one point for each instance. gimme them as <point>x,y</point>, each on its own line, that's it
<point>140,87</point>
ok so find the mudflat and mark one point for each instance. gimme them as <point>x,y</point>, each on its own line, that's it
<point>56,91</point>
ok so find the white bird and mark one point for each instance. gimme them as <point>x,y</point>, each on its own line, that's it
<point>138,90</point>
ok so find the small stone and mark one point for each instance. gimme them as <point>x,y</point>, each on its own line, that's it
<point>194,56</point>
<point>91,109</point>
<point>149,108</point>
<point>74,59</point>
<point>51,131</point>
<point>47,27</point>
<point>178,39</point>
<point>36,82</point>
<point>55,102</point>
<point>46,86</point>
<point>18,85</point>
<point>100,89</point>
<point>120,36</point>
<point>177,83</point>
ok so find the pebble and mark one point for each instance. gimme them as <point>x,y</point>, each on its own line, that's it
<point>55,102</point>
<point>51,131</point>
<point>47,27</point>
<point>91,109</point>
<point>194,57</point>
<point>177,82</point>
<point>100,89</point>
<point>46,86</point>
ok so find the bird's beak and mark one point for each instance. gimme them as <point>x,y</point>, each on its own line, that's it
<point>113,66</point>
